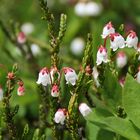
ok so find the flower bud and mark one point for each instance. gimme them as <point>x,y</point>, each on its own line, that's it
<point>88,70</point>
<point>116,41</point>
<point>55,90</point>
<point>21,89</point>
<point>10,75</point>
<point>121,59</point>
<point>60,116</point>
<point>132,40</point>
<point>21,38</point>
<point>70,75</point>
<point>84,109</point>
<point>1,93</point>
<point>44,77</point>
<point>107,30</point>
<point>102,55</point>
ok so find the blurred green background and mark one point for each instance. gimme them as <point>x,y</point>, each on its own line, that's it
<point>19,12</point>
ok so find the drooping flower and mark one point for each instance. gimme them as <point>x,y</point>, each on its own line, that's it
<point>102,55</point>
<point>107,30</point>
<point>95,75</point>
<point>1,93</point>
<point>70,75</point>
<point>77,46</point>
<point>44,77</point>
<point>93,9</point>
<point>88,9</point>
<point>60,116</point>
<point>27,28</point>
<point>55,74</point>
<point>21,89</point>
<point>121,59</point>
<point>35,49</point>
<point>21,38</point>
<point>84,109</point>
<point>80,9</point>
<point>132,40</point>
<point>55,90</point>
<point>116,41</point>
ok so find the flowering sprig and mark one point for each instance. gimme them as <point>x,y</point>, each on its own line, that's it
<point>53,76</point>
<point>8,114</point>
<point>72,118</point>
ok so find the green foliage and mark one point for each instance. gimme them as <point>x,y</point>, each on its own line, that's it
<point>131,98</point>
<point>112,92</point>
<point>123,127</point>
<point>115,115</point>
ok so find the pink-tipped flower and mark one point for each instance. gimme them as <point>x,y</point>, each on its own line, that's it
<point>107,30</point>
<point>21,89</point>
<point>21,38</point>
<point>122,81</point>
<point>44,77</point>
<point>116,41</point>
<point>70,75</point>
<point>55,90</point>
<point>84,109</point>
<point>95,75</point>
<point>121,59</point>
<point>54,73</point>
<point>102,55</point>
<point>1,93</point>
<point>60,116</point>
<point>132,40</point>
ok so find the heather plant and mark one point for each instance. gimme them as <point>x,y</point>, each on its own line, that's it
<point>96,100</point>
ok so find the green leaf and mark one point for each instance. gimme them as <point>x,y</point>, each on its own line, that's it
<point>120,126</point>
<point>112,92</point>
<point>131,100</point>
<point>123,127</point>
<point>91,131</point>
<point>94,132</point>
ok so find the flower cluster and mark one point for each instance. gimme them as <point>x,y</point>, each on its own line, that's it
<point>47,77</point>
<point>21,88</point>
<point>61,114</point>
<point>116,41</point>
<point>88,9</point>
<point>52,77</point>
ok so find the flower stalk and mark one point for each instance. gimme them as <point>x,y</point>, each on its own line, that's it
<point>72,119</point>
<point>8,114</point>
